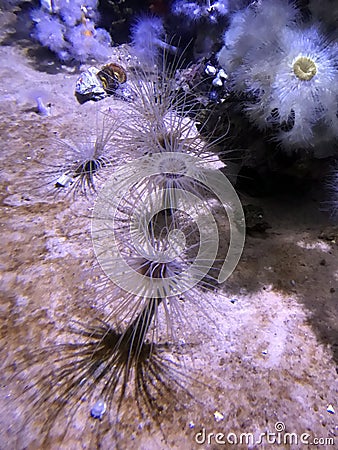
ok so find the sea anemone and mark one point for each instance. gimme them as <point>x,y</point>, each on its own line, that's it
<point>156,237</point>
<point>304,85</point>
<point>81,164</point>
<point>92,374</point>
<point>148,36</point>
<point>165,118</point>
<point>289,69</point>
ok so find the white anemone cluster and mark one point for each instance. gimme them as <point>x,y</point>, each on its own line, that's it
<point>288,72</point>
<point>68,28</point>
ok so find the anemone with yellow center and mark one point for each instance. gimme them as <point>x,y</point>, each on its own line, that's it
<point>305,87</point>
<point>304,68</point>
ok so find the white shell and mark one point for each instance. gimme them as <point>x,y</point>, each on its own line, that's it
<point>47,4</point>
<point>217,82</point>
<point>222,74</point>
<point>63,181</point>
<point>330,409</point>
<point>210,70</point>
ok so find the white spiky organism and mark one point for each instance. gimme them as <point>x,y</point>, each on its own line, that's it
<point>161,117</point>
<point>148,39</point>
<point>289,70</point>
<point>155,247</point>
<point>76,165</point>
<point>85,160</point>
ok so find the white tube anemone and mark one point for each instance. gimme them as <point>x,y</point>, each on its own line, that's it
<point>78,164</point>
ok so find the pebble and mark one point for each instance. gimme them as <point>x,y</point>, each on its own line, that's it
<point>218,416</point>
<point>222,74</point>
<point>98,409</point>
<point>217,82</point>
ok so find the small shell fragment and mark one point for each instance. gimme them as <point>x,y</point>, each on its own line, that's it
<point>330,409</point>
<point>63,181</point>
<point>222,74</point>
<point>98,409</point>
<point>217,82</point>
<point>210,70</point>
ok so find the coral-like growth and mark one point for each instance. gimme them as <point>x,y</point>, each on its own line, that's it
<point>68,29</point>
<point>289,69</point>
<point>208,10</point>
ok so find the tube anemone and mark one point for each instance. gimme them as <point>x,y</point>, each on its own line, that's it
<point>79,165</point>
<point>96,367</point>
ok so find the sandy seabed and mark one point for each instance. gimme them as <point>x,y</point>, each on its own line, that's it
<point>265,353</point>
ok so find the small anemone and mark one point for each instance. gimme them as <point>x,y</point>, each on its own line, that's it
<point>148,39</point>
<point>85,160</point>
<point>78,164</point>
